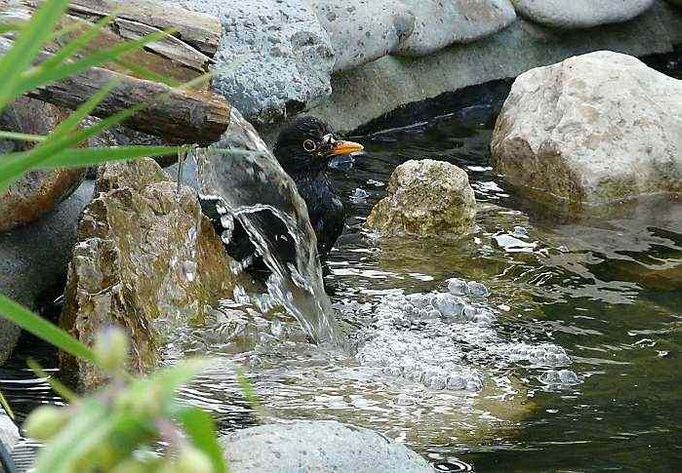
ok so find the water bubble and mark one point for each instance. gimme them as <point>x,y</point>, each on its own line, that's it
<point>563,377</point>
<point>477,289</point>
<point>458,287</point>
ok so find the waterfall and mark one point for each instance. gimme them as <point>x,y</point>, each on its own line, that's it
<point>255,190</point>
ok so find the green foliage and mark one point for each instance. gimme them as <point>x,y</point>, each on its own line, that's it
<point>118,428</point>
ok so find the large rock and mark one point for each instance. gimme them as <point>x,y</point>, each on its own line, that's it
<point>274,57</point>
<point>425,198</point>
<point>439,24</point>
<point>34,259</point>
<point>146,259</point>
<point>366,93</point>
<point>592,129</point>
<point>9,436</point>
<point>580,13</point>
<point>38,192</point>
<point>318,446</point>
<point>364,30</point>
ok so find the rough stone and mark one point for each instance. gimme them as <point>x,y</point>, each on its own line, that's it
<point>9,433</point>
<point>34,259</point>
<point>375,89</point>
<point>425,198</point>
<point>364,30</point>
<point>274,56</point>
<point>146,259</point>
<point>317,446</point>
<point>593,129</point>
<point>38,192</point>
<point>439,24</point>
<point>580,13</point>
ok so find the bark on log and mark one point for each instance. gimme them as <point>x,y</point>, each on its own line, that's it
<point>179,116</point>
<point>169,57</point>
<point>200,31</point>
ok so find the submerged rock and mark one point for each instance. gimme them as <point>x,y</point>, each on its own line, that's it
<point>34,260</point>
<point>146,259</point>
<point>439,24</point>
<point>592,129</point>
<point>317,446</point>
<point>364,30</point>
<point>580,13</point>
<point>38,192</point>
<point>426,198</point>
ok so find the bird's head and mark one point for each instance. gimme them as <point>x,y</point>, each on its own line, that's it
<point>309,144</point>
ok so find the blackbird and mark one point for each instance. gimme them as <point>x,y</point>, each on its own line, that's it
<point>304,149</point>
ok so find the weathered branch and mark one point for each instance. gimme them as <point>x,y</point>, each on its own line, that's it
<point>169,57</point>
<point>179,116</point>
<point>200,31</point>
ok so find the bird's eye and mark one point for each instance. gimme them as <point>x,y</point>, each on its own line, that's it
<point>309,146</point>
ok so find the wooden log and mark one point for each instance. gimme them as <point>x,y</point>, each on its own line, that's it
<point>200,31</point>
<point>169,57</point>
<point>178,116</point>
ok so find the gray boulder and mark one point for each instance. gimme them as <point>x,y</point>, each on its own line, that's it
<point>580,13</point>
<point>364,30</point>
<point>439,24</point>
<point>593,129</point>
<point>425,198</point>
<point>38,192</point>
<point>274,57</point>
<point>9,433</point>
<point>146,259</point>
<point>318,446</point>
<point>34,259</point>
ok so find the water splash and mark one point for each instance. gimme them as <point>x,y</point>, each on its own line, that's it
<point>245,176</point>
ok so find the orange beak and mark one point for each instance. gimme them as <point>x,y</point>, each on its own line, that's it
<point>344,148</point>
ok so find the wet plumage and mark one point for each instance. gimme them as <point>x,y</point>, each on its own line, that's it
<point>305,149</point>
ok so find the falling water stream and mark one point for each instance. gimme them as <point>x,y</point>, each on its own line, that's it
<point>542,342</point>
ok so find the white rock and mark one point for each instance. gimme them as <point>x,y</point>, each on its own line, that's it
<point>439,24</point>
<point>580,13</point>
<point>9,434</point>
<point>363,30</point>
<point>592,129</point>
<point>317,446</point>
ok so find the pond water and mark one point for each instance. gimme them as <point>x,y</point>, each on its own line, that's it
<point>573,362</point>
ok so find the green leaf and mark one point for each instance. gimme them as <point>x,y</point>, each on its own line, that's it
<point>42,328</point>
<point>56,385</point>
<point>88,428</point>
<point>14,136</point>
<point>27,47</point>
<point>84,157</point>
<point>40,76</point>
<point>200,427</point>
<point>14,165</point>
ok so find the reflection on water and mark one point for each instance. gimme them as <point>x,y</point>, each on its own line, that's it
<point>600,295</point>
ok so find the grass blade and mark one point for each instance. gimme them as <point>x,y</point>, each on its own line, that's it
<point>15,136</point>
<point>27,47</point>
<point>78,44</point>
<point>5,405</point>
<point>201,428</point>
<point>95,156</point>
<point>39,76</point>
<point>41,328</point>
